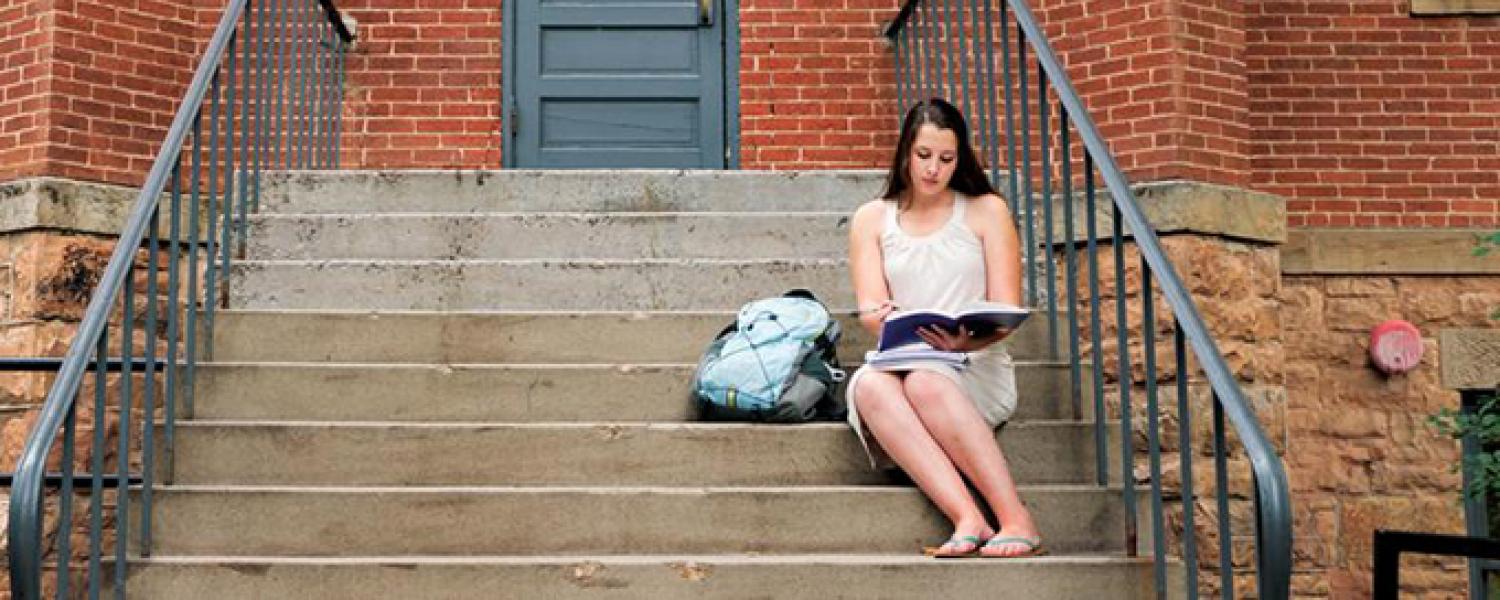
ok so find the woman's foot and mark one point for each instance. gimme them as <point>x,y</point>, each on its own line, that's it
<point>1007,545</point>
<point>961,543</point>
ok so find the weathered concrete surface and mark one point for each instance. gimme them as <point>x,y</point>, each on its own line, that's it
<point>522,190</point>
<point>567,235</point>
<point>657,284</point>
<point>542,364</point>
<point>690,577</point>
<point>305,453</point>
<point>532,521</point>
<point>511,337</point>
<point>521,393</point>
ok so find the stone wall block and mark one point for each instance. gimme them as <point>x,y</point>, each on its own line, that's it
<point>1326,468</point>
<point>1477,307</point>
<point>1362,313</point>
<point>1362,516</point>
<point>1429,306</point>
<point>59,276</point>
<point>1361,287</point>
<point>1309,585</point>
<point>1354,424</point>
<point>1302,308</point>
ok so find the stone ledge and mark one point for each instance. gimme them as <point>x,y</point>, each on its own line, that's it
<point>66,205</point>
<point>1186,207</point>
<point>1469,358</point>
<point>1454,7</point>
<point>70,206</point>
<point>1385,252</point>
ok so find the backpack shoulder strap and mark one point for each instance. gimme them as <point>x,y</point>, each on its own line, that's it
<point>802,293</point>
<point>728,329</point>
<point>827,341</point>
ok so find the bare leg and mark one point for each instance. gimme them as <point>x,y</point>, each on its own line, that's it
<point>885,411</point>
<point>955,424</point>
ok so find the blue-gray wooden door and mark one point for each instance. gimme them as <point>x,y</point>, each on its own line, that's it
<point>618,84</point>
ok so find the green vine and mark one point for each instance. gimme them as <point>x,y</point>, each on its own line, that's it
<point>1484,244</point>
<point>1484,425</point>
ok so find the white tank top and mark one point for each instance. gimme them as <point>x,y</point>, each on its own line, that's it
<point>942,270</point>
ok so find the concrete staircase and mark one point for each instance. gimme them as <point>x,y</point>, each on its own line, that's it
<point>474,385</point>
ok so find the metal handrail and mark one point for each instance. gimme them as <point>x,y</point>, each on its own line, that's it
<point>26,501</point>
<point>1272,492</point>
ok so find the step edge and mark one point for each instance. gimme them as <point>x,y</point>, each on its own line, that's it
<point>699,490</point>
<point>706,426</point>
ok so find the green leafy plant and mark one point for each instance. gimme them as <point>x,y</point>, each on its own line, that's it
<point>1484,244</point>
<point>1484,425</point>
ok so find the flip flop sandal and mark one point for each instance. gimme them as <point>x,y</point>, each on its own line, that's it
<point>1033,546</point>
<point>954,542</point>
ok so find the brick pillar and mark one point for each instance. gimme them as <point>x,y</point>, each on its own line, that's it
<point>27,36</point>
<point>1164,79</point>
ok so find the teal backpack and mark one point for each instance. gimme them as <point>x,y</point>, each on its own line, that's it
<point>776,363</point>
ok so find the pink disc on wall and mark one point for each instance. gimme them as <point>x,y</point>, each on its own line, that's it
<point>1396,346</point>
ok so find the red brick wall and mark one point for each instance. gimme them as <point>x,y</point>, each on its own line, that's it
<point>25,42</point>
<point>423,87</point>
<point>1367,118</point>
<point>1364,116</point>
<point>817,84</point>
<point>1163,79</point>
<point>117,71</point>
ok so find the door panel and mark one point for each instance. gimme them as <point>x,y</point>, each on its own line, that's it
<point>618,83</point>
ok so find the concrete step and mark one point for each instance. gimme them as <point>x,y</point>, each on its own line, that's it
<point>551,235</point>
<point>683,577</point>
<point>506,392</point>
<point>654,284</point>
<point>292,521</point>
<point>667,454</point>
<point>509,337</point>
<point>524,190</point>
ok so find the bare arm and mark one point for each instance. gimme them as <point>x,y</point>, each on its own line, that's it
<point>1002,249</point>
<point>872,295</point>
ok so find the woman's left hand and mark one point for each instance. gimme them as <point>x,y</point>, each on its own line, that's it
<point>962,341</point>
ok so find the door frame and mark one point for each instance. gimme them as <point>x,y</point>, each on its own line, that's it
<point>729,15</point>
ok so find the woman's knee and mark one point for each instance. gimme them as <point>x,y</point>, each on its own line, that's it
<point>928,387</point>
<point>879,392</point>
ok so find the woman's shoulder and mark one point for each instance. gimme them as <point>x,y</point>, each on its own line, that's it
<point>869,214</point>
<point>989,205</point>
<point>988,215</point>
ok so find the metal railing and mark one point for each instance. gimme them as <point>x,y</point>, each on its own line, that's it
<point>963,50</point>
<point>1390,545</point>
<point>266,95</point>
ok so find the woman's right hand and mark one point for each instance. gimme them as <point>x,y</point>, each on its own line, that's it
<point>874,316</point>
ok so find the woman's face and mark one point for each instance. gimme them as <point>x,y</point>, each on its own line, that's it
<point>934,156</point>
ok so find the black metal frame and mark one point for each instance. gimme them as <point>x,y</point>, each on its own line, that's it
<point>1390,545</point>
<point>246,55</point>
<point>928,65</point>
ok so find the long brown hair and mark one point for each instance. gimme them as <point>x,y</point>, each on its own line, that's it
<point>968,176</point>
